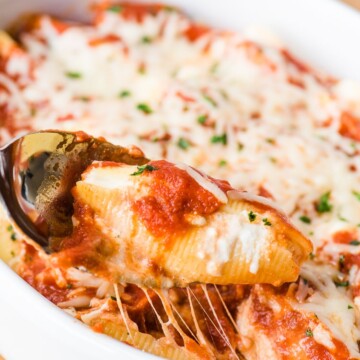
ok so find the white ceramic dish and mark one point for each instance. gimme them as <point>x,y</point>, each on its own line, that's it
<point>324,33</point>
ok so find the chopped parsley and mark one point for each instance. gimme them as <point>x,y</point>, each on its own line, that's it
<point>183,144</point>
<point>142,69</point>
<point>356,194</point>
<point>73,75</point>
<point>146,40</point>
<point>341,218</point>
<point>214,68</point>
<point>273,159</point>
<point>341,259</point>
<point>210,100</point>
<point>270,141</point>
<point>309,333</point>
<point>305,219</point>
<point>13,235</point>
<point>354,242</point>
<point>202,119</point>
<point>222,162</point>
<point>311,256</point>
<point>323,205</point>
<point>113,298</point>
<point>115,9</point>
<point>124,94</point>
<point>169,8</point>
<point>252,216</point>
<point>240,146</point>
<point>69,286</point>
<point>266,222</point>
<point>146,109</point>
<point>350,307</point>
<point>341,283</point>
<point>142,168</point>
<point>219,139</point>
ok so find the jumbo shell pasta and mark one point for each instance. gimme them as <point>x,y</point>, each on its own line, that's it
<point>162,225</point>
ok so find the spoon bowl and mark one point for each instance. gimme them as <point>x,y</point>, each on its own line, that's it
<point>37,173</point>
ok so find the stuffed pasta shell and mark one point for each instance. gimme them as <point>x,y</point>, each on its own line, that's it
<point>164,225</point>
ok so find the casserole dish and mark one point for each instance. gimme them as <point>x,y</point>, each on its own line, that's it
<point>30,326</point>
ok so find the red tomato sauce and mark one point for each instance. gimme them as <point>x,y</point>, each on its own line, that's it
<point>128,10</point>
<point>35,272</point>
<point>174,194</point>
<point>196,31</point>
<point>290,329</point>
<point>349,126</point>
<point>86,246</point>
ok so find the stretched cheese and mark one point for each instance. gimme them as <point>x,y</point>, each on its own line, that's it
<point>162,225</point>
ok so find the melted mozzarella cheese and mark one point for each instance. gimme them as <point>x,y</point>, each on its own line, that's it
<point>205,183</point>
<point>281,123</point>
<point>229,231</point>
<point>332,306</point>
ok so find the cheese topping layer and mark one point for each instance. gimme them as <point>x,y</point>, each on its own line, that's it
<point>233,106</point>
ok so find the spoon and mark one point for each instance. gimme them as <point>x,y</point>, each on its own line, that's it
<point>37,172</point>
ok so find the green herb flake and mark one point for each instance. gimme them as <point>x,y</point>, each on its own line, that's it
<point>115,9</point>
<point>356,194</point>
<point>124,94</point>
<point>341,259</point>
<point>341,283</point>
<point>142,168</point>
<point>214,68</point>
<point>350,307</point>
<point>73,75</point>
<point>13,236</point>
<point>341,218</point>
<point>252,216</point>
<point>183,144</point>
<point>9,228</point>
<point>354,242</point>
<point>240,146</point>
<point>113,298</point>
<point>219,139</point>
<point>69,286</point>
<point>323,205</point>
<point>304,281</point>
<point>305,219</point>
<point>311,256</point>
<point>202,119</point>
<point>169,8</point>
<point>146,109</point>
<point>210,100</point>
<point>146,40</point>
<point>270,141</point>
<point>273,159</point>
<point>222,163</point>
<point>12,253</point>
<point>309,333</point>
<point>266,222</point>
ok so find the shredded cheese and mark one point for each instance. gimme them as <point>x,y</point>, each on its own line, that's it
<point>247,112</point>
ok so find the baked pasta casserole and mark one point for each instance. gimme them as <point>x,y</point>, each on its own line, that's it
<point>163,256</point>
